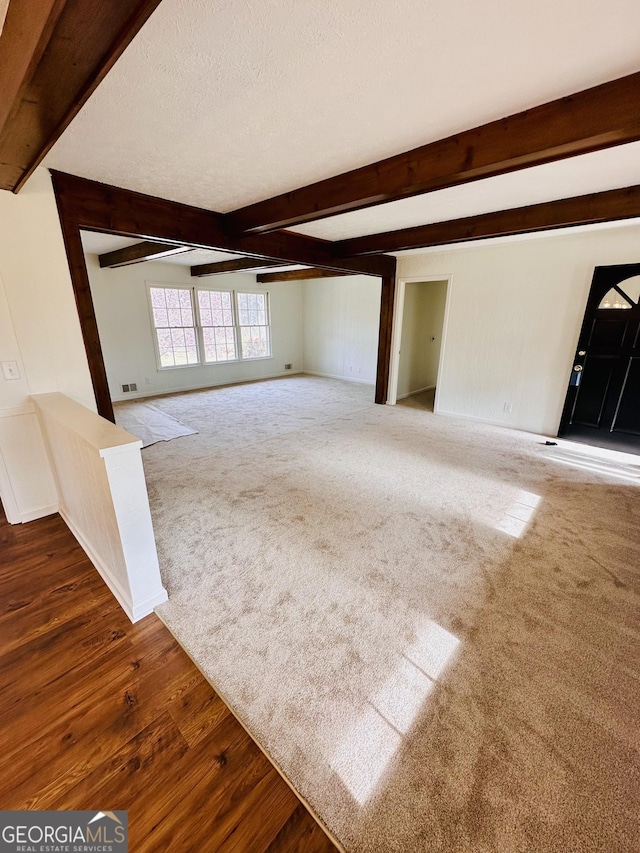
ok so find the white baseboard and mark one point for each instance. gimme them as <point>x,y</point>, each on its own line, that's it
<point>144,608</point>
<point>138,395</point>
<point>413,393</point>
<point>479,420</point>
<point>336,376</point>
<point>40,512</point>
<point>135,612</point>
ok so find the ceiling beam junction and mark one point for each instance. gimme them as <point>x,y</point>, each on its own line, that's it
<point>85,204</point>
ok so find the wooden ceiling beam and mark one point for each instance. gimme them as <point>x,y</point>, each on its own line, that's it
<point>587,121</point>
<point>238,265</point>
<point>145,251</point>
<point>100,207</point>
<point>53,55</point>
<point>299,275</point>
<point>609,206</point>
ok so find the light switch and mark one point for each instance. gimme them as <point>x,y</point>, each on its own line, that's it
<point>10,370</point>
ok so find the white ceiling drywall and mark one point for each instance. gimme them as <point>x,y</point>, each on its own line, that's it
<point>223,104</point>
<point>95,243</point>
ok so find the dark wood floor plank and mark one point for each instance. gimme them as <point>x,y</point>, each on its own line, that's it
<point>169,802</point>
<point>298,835</point>
<point>98,713</point>
<point>197,712</point>
<point>278,801</point>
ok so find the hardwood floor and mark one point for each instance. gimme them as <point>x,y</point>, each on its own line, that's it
<point>96,713</point>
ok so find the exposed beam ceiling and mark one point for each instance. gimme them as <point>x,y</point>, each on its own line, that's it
<point>593,119</point>
<point>99,207</point>
<point>590,209</point>
<point>145,251</point>
<point>53,54</point>
<point>246,264</point>
<point>298,275</point>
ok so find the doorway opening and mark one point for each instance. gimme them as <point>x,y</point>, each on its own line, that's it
<point>418,345</point>
<point>602,406</point>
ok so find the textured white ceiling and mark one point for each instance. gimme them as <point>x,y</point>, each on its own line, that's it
<point>97,244</point>
<point>223,104</point>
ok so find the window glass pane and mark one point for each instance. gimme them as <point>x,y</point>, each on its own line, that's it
<point>160,317</point>
<point>631,288</point>
<point>157,297</point>
<point>173,297</point>
<point>612,299</point>
<point>255,342</point>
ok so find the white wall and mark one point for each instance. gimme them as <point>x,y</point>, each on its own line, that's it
<point>341,320</point>
<point>422,321</point>
<point>514,317</point>
<point>126,332</point>
<point>39,329</point>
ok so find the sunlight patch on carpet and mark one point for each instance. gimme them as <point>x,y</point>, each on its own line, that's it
<point>519,514</point>
<point>364,755</point>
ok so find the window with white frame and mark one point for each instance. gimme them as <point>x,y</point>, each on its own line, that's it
<point>253,321</point>
<point>196,325</point>
<point>173,318</point>
<point>218,327</point>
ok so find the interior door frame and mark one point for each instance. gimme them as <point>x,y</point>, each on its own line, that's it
<point>396,334</point>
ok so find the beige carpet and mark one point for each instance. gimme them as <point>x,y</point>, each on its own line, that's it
<point>429,624</point>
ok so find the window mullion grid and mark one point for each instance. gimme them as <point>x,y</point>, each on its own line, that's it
<point>237,332</point>
<point>198,322</point>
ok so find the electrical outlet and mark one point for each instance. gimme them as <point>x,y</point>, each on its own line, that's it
<point>10,370</point>
<point>508,407</point>
<point>147,381</point>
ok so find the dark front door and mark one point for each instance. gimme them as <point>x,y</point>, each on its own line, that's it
<point>603,400</point>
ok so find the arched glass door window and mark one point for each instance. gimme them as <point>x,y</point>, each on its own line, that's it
<point>613,299</point>
<point>626,294</point>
